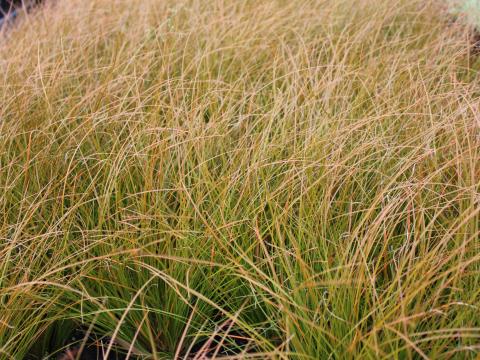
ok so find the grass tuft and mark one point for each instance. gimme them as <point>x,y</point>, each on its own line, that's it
<point>239,179</point>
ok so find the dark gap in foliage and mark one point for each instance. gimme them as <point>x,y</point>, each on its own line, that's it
<point>9,8</point>
<point>234,343</point>
<point>63,341</point>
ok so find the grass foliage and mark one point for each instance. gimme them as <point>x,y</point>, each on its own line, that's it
<point>240,179</point>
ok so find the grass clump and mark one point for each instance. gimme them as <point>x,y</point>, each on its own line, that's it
<point>264,179</point>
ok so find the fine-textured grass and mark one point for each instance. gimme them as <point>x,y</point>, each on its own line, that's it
<point>240,178</point>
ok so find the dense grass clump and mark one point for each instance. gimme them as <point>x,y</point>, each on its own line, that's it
<point>241,179</point>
